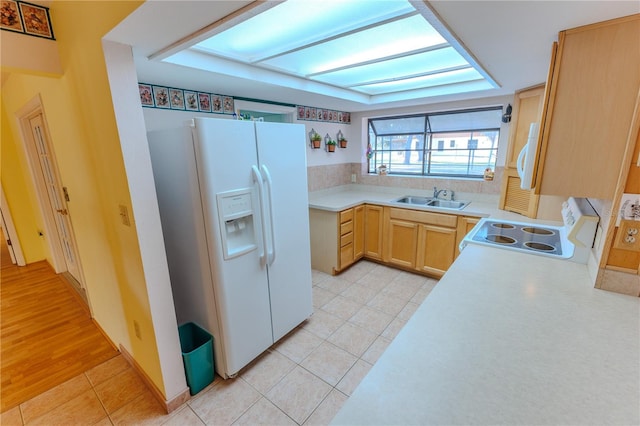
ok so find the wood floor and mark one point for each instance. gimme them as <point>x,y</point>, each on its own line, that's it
<point>46,334</point>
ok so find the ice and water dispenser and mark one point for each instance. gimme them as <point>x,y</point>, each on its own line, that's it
<point>235,210</point>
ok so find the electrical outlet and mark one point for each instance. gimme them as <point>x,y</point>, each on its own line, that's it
<point>353,178</point>
<point>124,215</point>
<point>628,236</point>
<point>136,329</point>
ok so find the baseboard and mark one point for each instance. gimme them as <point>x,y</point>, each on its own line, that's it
<point>113,345</point>
<point>168,405</point>
<point>78,292</point>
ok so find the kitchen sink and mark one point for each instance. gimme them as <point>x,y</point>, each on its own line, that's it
<point>422,201</point>
<point>445,204</point>
<point>432,202</point>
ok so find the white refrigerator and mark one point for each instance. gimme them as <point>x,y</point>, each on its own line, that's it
<point>234,209</point>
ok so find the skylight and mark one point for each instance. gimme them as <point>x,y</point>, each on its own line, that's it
<point>369,48</point>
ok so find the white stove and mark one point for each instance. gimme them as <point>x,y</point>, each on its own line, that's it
<point>571,241</point>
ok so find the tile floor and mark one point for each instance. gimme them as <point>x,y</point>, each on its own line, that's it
<point>304,379</point>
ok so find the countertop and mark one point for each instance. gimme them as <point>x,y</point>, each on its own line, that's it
<point>508,338</point>
<point>344,197</point>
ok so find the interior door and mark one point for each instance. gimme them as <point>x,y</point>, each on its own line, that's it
<point>55,196</point>
<point>7,239</point>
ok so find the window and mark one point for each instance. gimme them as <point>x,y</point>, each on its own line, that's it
<point>415,145</point>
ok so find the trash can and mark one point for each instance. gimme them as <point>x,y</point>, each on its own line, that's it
<point>197,356</point>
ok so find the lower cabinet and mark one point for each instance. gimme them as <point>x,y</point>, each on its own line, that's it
<point>436,249</point>
<point>420,240</point>
<point>373,218</point>
<point>359,235</point>
<point>337,239</point>
<point>402,243</point>
<point>465,225</point>
<point>416,240</point>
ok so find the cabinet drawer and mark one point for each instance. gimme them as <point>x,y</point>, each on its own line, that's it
<point>429,218</point>
<point>346,239</point>
<point>346,227</point>
<point>346,255</point>
<point>346,215</point>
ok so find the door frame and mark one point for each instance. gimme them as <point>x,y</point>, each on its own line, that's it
<point>23,115</point>
<point>10,229</point>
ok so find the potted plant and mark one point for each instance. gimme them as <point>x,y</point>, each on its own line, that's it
<point>331,145</point>
<point>316,140</point>
<point>343,142</point>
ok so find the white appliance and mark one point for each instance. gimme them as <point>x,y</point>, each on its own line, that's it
<point>571,241</point>
<point>234,209</point>
<point>525,163</point>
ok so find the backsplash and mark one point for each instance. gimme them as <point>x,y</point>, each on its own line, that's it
<point>328,176</point>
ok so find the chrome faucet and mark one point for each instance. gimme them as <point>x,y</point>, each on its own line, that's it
<point>436,192</point>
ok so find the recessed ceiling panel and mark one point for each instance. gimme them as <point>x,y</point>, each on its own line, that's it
<point>397,68</point>
<point>441,79</point>
<point>296,23</point>
<point>376,48</point>
<point>395,38</point>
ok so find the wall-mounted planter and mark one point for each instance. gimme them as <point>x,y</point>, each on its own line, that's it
<point>315,138</point>
<point>342,142</point>
<point>329,143</point>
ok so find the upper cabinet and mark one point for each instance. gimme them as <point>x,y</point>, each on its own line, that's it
<point>527,109</point>
<point>589,105</point>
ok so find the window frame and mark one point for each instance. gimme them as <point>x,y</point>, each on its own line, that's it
<point>430,143</point>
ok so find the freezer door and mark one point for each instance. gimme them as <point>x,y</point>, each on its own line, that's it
<point>282,157</point>
<point>225,154</point>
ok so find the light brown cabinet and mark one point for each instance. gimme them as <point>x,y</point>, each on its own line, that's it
<point>420,240</point>
<point>402,243</point>
<point>346,239</point>
<point>358,232</point>
<point>337,239</point>
<point>436,249</point>
<point>592,92</point>
<point>373,216</point>
<point>465,225</point>
<point>527,109</point>
<point>415,240</point>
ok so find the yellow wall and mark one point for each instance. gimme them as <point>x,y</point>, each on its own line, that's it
<point>83,130</point>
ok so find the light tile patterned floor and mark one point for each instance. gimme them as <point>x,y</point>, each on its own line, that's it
<point>304,379</point>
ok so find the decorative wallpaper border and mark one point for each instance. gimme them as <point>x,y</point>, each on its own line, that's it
<point>165,97</point>
<point>320,114</point>
<point>26,18</point>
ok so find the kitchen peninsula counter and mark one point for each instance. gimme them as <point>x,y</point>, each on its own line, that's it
<point>508,338</point>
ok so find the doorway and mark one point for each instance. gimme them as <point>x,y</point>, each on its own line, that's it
<point>51,195</point>
<point>9,234</point>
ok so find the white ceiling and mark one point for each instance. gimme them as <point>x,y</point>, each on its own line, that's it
<point>511,40</point>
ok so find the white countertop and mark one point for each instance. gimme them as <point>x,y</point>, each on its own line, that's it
<point>344,197</point>
<point>508,338</point>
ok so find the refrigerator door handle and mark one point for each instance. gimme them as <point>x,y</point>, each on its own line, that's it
<point>257,177</point>
<point>272,249</point>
